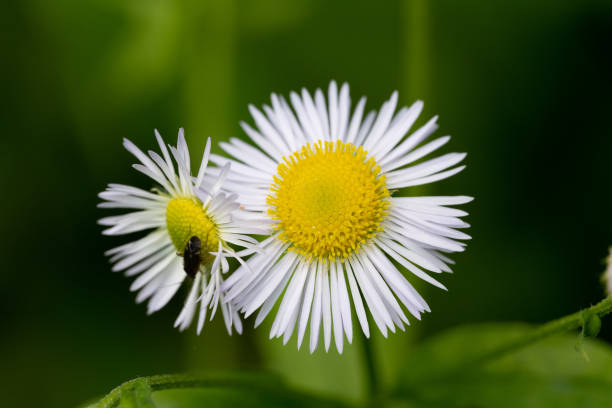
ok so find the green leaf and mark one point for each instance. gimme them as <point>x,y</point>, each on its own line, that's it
<point>449,371</point>
<point>216,397</point>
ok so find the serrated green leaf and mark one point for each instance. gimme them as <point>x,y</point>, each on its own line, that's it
<point>444,371</point>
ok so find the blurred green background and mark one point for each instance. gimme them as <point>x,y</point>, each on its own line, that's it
<point>524,87</point>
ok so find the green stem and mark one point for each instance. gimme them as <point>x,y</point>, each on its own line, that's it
<point>417,61</point>
<point>564,324</point>
<point>259,383</point>
<point>371,371</point>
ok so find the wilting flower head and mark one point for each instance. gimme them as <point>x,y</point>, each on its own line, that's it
<point>192,226</point>
<point>326,181</point>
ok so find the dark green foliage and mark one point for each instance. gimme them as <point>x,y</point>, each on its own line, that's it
<point>441,372</point>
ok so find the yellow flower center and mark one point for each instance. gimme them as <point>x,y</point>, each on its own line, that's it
<point>186,217</point>
<point>329,199</point>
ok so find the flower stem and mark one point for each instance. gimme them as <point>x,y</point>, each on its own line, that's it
<point>374,391</point>
<point>257,383</point>
<point>561,325</point>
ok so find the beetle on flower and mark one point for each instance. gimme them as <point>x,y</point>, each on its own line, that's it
<point>181,211</point>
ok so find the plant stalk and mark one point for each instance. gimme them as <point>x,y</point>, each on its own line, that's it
<point>371,371</point>
<point>567,323</point>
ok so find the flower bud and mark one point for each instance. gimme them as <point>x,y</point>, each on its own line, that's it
<point>606,278</point>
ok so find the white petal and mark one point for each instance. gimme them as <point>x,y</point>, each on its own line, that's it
<point>315,318</point>
<point>306,303</point>
<point>335,309</point>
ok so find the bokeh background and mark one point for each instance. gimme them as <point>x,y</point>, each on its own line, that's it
<point>524,87</point>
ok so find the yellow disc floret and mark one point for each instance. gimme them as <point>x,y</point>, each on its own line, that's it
<point>328,198</point>
<point>186,217</point>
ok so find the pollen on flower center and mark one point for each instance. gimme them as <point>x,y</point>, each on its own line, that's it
<point>186,217</point>
<point>329,199</point>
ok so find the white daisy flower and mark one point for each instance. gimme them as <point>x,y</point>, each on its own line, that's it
<point>326,181</point>
<point>181,212</point>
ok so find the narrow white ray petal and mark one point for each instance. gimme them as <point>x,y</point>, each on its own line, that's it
<point>306,303</point>
<point>167,159</point>
<point>426,168</point>
<point>271,301</point>
<point>135,191</point>
<point>217,186</point>
<point>151,287</point>
<point>423,236</point>
<point>326,306</point>
<point>418,153</point>
<point>149,261</point>
<point>333,111</point>
<point>375,273</point>
<point>261,275</point>
<point>227,317</point>
<point>280,121</point>
<point>291,326</point>
<point>418,258</point>
<point>131,258</point>
<point>335,308</point>
<point>344,302</point>
<point>188,311</point>
<point>286,266</point>
<point>382,122</point>
<point>203,164</point>
<point>365,128</point>
<point>410,142</point>
<point>305,124</point>
<point>414,246</point>
<point>355,121</point>
<point>268,131</point>
<point>243,278</point>
<point>237,321</point>
<point>322,113</point>
<point>249,155</point>
<point>181,146</point>
<point>343,112</point>
<point>131,202</point>
<point>175,277</point>
<point>396,281</point>
<point>429,226</point>
<point>379,311</point>
<point>315,318</point>
<point>311,111</point>
<point>300,137</point>
<point>203,306</point>
<point>425,180</point>
<point>262,142</point>
<point>423,208</point>
<point>159,178</point>
<point>292,297</point>
<point>168,172</point>
<point>397,130</point>
<point>183,170</point>
<point>152,272</point>
<point>155,238</point>
<point>143,158</point>
<point>355,294</point>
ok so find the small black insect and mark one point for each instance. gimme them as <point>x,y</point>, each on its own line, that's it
<point>191,256</point>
